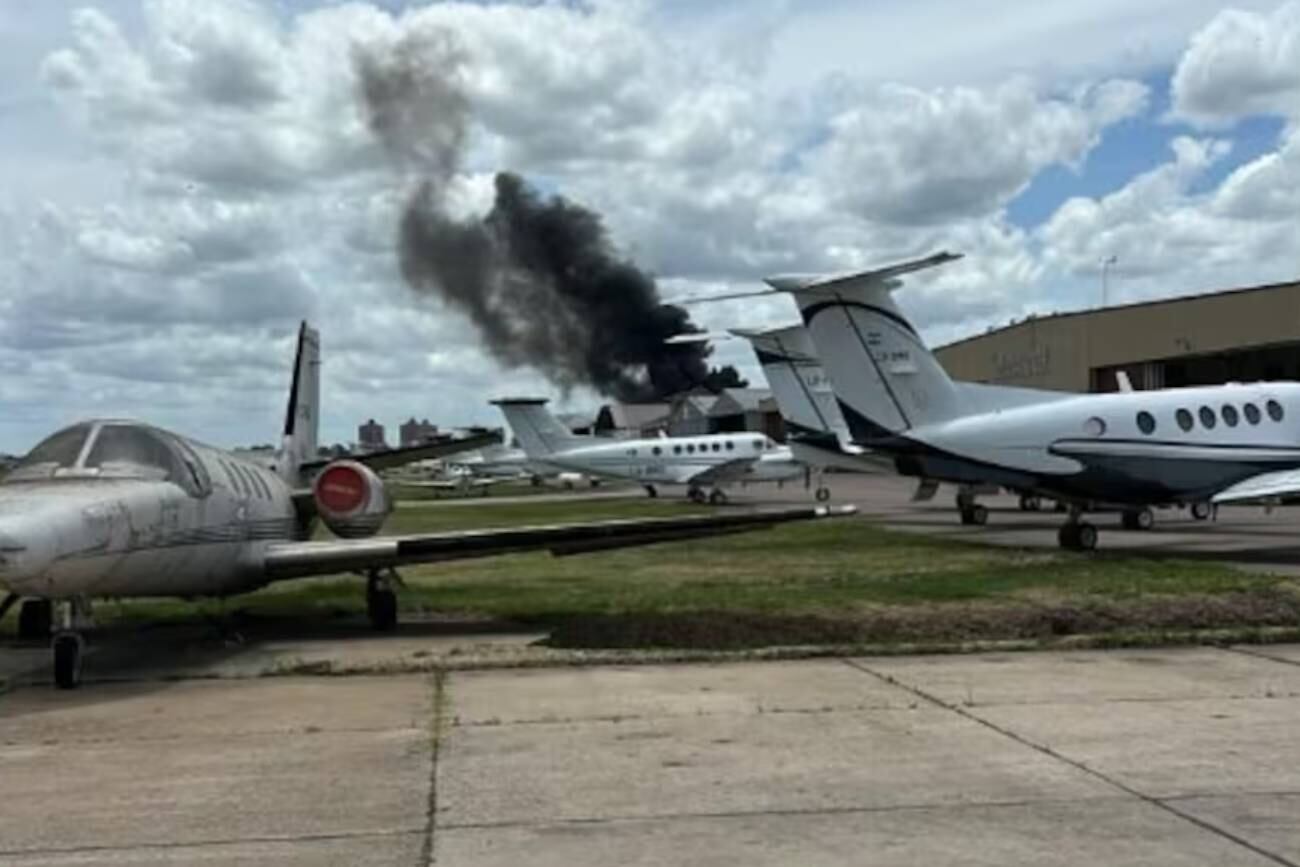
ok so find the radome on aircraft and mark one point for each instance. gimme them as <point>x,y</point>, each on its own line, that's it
<point>110,508</point>
<point>1127,450</point>
<point>706,461</point>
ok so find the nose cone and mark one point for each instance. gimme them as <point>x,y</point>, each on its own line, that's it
<point>23,557</point>
<point>31,527</point>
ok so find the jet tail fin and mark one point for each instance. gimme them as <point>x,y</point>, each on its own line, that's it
<point>302,415</point>
<point>539,433</point>
<point>886,380</point>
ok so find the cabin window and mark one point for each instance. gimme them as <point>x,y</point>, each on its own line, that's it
<point>263,488</point>
<point>717,447</point>
<point>1184,419</point>
<point>1274,410</point>
<point>1146,422</point>
<point>677,450</point>
<point>758,446</point>
<point>1208,418</point>
<point>232,480</point>
<point>1229,413</point>
<point>631,453</point>
<point>136,451</point>
<point>690,448</point>
<point>730,446</point>
<point>656,451</point>
<point>1252,413</point>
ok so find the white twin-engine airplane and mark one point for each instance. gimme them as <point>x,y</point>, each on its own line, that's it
<point>124,509</point>
<point>705,461</point>
<point>1127,450</point>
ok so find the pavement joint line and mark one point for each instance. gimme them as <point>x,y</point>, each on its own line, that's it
<point>1259,654</point>
<point>307,731</point>
<point>439,701</point>
<point>1074,763</point>
<point>195,844</point>
<point>791,811</point>
<point>649,717</point>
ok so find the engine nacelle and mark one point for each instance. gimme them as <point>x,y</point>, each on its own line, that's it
<point>351,499</point>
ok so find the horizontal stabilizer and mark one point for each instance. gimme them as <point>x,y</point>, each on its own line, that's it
<point>807,282</point>
<point>697,337</point>
<point>439,448</point>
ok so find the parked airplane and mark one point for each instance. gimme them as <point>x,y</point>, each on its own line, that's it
<point>706,461</point>
<point>122,509</point>
<point>1126,450</point>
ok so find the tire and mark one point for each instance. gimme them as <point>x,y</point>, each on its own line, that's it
<point>1030,503</point>
<point>822,494</point>
<point>381,607</point>
<point>651,491</point>
<point>34,619</point>
<point>1201,511</point>
<point>1086,535</point>
<point>67,647</point>
<point>1145,519</point>
<point>979,515</point>
<point>717,498</point>
<point>695,495</point>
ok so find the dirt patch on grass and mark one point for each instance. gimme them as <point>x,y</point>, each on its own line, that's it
<point>950,622</point>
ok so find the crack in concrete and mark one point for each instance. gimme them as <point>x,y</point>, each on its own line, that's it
<point>1078,765</point>
<point>195,844</point>
<point>790,811</point>
<point>427,852</point>
<point>1259,654</point>
<point>649,717</point>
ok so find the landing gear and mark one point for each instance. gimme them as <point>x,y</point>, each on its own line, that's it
<point>35,619</point>
<point>651,491</point>
<point>696,495</point>
<point>717,497</point>
<point>971,512</point>
<point>1030,503</point>
<point>822,494</point>
<point>68,645</point>
<point>1202,511</point>
<point>1138,519</point>
<point>381,600</point>
<point>1078,535</point>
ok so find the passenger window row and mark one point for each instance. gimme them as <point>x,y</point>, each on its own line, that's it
<point>1209,419</point>
<point>691,448</point>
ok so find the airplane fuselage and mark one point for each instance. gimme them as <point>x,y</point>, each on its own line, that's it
<point>673,460</point>
<point>82,534</point>
<point>1166,446</point>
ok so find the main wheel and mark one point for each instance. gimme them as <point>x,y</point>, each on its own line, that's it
<point>717,498</point>
<point>1139,519</point>
<point>1201,511</point>
<point>651,491</point>
<point>1086,534</point>
<point>823,494</point>
<point>67,648</point>
<point>34,619</point>
<point>381,607</point>
<point>695,495</point>
<point>1068,537</point>
<point>979,515</point>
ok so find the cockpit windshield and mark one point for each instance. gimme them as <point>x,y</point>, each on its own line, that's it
<point>115,450</point>
<point>134,451</point>
<point>56,452</point>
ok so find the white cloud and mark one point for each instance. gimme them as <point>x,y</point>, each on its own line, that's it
<point>1241,63</point>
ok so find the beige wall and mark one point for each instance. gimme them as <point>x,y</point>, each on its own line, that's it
<point>1059,351</point>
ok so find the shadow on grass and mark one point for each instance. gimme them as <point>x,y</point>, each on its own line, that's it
<point>946,623</point>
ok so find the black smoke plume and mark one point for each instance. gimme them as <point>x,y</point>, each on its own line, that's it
<point>538,276</point>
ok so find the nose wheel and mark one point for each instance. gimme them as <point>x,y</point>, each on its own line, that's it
<point>381,600</point>
<point>717,497</point>
<point>1078,536</point>
<point>68,646</point>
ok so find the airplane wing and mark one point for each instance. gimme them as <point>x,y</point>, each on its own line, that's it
<point>389,458</point>
<point>300,559</point>
<point>1279,483</point>
<point>728,471</point>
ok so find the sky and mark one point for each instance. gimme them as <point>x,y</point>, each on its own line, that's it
<point>183,181</point>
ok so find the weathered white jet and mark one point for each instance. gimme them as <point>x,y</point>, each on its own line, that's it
<point>1124,450</point>
<point>705,461</point>
<point>123,509</point>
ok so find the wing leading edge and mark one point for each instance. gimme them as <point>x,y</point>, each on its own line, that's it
<point>1279,483</point>
<point>301,559</point>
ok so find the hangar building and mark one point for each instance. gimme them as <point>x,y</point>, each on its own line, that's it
<point>1238,335</point>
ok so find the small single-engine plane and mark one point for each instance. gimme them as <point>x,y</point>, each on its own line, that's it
<point>110,508</point>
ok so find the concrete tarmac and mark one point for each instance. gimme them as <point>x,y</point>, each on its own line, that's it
<point>1172,757</point>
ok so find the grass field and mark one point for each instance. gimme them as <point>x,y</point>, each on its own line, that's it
<point>841,582</point>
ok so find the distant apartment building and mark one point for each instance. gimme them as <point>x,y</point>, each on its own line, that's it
<point>370,436</point>
<point>413,432</point>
